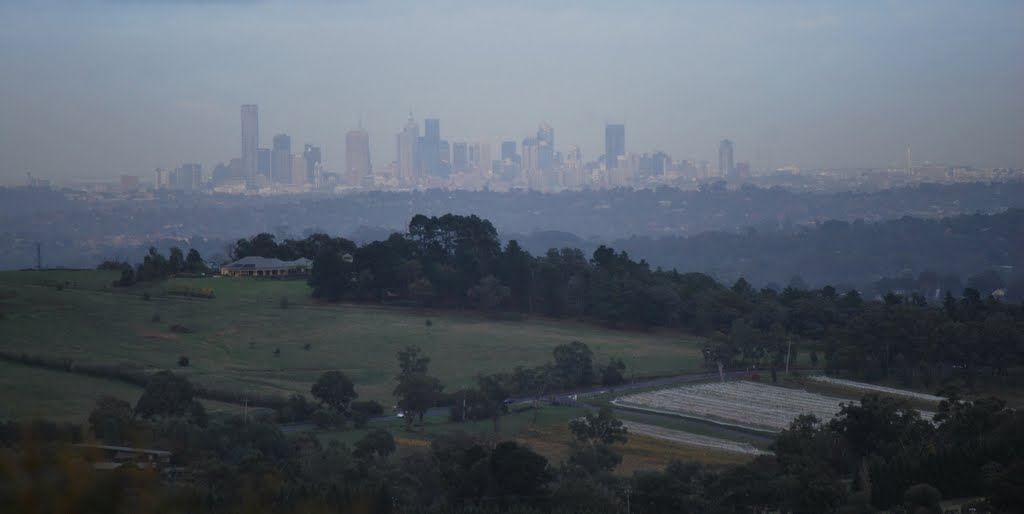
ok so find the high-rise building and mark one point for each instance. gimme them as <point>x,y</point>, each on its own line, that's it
<point>189,177</point>
<point>298,170</point>
<point>357,157</point>
<point>263,163</point>
<point>314,160</point>
<point>725,159</point>
<point>408,140</point>
<point>546,150</point>
<point>460,157</point>
<point>614,145</point>
<point>430,147</point>
<point>508,151</point>
<point>281,159</point>
<point>250,141</point>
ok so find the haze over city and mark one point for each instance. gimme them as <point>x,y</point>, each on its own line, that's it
<point>96,90</point>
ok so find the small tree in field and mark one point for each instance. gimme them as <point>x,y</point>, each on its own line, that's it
<point>335,390</point>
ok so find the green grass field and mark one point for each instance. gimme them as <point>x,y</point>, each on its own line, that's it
<point>235,334</point>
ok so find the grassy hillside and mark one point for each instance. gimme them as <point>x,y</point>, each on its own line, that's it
<point>74,314</point>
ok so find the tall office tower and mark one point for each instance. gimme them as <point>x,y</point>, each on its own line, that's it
<point>444,159</point>
<point>460,157</point>
<point>159,178</point>
<point>313,160</point>
<point>299,170</point>
<point>357,157</point>
<point>484,166</point>
<point>250,141</point>
<point>431,147</point>
<point>725,164</point>
<point>546,133</point>
<point>189,177</point>
<point>281,159</point>
<point>572,168</point>
<point>408,140</point>
<point>508,151</point>
<point>531,164</point>
<point>473,156</point>
<point>263,163</point>
<point>614,145</point>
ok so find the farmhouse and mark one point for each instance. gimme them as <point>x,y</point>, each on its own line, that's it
<point>265,267</point>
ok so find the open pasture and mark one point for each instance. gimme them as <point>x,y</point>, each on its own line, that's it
<point>233,338</point>
<point>740,403</point>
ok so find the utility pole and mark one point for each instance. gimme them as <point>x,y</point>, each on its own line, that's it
<point>39,256</point>
<point>245,411</point>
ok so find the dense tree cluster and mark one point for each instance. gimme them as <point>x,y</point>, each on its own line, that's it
<point>155,266</point>
<point>456,261</point>
<point>877,454</point>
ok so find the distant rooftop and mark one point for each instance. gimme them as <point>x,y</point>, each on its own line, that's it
<point>253,262</point>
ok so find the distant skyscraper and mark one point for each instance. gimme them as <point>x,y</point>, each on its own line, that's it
<point>430,147</point>
<point>357,156</point>
<point>313,161</point>
<point>546,152</point>
<point>460,157</point>
<point>407,144</point>
<point>531,164</point>
<point>614,145</point>
<point>725,158</point>
<point>508,151</point>
<point>189,177</point>
<point>281,159</point>
<point>250,140</point>
<point>298,170</point>
<point>263,165</point>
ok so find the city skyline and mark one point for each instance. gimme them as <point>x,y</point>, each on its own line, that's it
<point>799,83</point>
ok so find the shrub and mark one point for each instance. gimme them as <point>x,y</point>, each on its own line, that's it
<point>277,352</point>
<point>155,318</point>
<point>307,346</point>
<point>145,296</point>
<point>283,303</point>
<point>428,323</point>
<point>180,329</point>
<point>183,361</point>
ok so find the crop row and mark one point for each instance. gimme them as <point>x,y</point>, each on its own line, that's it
<point>861,386</point>
<point>677,436</point>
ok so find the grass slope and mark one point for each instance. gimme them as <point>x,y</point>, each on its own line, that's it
<point>235,335</point>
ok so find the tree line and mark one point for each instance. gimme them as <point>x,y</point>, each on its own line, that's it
<point>458,262</point>
<point>156,267</point>
<point>875,455</point>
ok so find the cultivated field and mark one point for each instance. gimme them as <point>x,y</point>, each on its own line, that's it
<point>862,387</point>
<point>234,336</point>
<point>686,438</point>
<point>740,403</point>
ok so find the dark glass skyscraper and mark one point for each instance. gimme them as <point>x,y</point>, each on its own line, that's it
<point>281,159</point>
<point>313,159</point>
<point>614,145</point>
<point>725,158</point>
<point>430,147</point>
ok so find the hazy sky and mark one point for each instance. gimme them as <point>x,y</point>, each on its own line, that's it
<point>95,88</point>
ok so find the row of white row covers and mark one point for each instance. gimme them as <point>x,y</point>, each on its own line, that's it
<point>687,438</point>
<point>872,388</point>
<point>741,403</point>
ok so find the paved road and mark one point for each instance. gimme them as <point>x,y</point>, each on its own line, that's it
<point>574,397</point>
